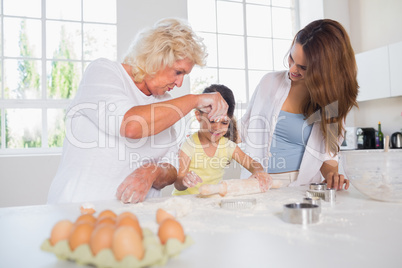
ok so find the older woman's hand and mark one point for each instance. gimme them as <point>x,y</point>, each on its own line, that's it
<point>336,180</point>
<point>214,105</point>
<point>136,186</point>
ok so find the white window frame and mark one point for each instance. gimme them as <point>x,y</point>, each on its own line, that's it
<point>44,103</point>
<point>243,105</point>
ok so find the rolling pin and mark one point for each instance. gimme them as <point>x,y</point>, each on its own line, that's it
<point>233,187</point>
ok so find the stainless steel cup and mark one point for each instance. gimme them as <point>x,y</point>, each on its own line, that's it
<point>318,186</point>
<point>314,200</point>
<point>330,195</point>
<point>301,213</point>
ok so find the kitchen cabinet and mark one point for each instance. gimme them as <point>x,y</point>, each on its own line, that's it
<point>395,61</point>
<point>378,72</point>
<point>373,74</point>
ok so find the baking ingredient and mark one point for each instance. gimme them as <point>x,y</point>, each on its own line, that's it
<point>105,220</point>
<point>107,213</point>
<point>180,206</point>
<point>162,215</point>
<point>126,241</point>
<point>101,238</point>
<point>61,231</point>
<point>80,234</point>
<point>233,187</point>
<point>87,208</point>
<point>170,228</point>
<point>85,218</point>
<point>125,214</point>
<point>131,222</point>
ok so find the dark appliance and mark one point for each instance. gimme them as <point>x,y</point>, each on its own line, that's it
<point>396,140</point>
<point>365,138</point>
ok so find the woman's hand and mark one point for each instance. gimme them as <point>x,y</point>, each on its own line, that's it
<point>191,179</point>
<point>336,180</point>
<point>214,105</point>
<point>264,179</point>
<point>329,171</point>
<point>136,186</point>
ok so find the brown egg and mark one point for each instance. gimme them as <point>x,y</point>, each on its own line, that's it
<point>162,215</point>
<point>170,228</point>
<point>60,231</point>
<point>85,218</point>
<point>80,234</point>
<point>105,220</point>
<point>126,241</point>
<point>107,213</point>
<point>125,214</point>
<point>131,222</point>
<point>101,238</point>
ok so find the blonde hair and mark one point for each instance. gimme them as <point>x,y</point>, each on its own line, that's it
<point>168,41</point>
<point>330,77</point>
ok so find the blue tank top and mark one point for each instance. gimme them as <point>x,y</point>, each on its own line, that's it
<point>288,142</point>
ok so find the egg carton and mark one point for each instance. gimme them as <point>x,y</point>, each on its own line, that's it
<point>155,252</point>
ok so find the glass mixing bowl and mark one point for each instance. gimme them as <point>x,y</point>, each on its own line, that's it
<point>375,173</point>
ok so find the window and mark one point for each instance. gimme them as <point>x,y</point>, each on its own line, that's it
<point>245,40</point>
<point>44,47</point>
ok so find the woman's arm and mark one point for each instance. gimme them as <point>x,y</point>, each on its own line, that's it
<point>167,175</point>
<point>136,186</point>
<point>147,120</point>
<point>329,171</point>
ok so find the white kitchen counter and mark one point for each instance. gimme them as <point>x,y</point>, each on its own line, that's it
<point>355,231</point>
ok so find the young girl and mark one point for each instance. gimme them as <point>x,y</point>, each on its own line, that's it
<point>204,155</point>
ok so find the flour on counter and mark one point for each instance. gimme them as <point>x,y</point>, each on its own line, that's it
<point>181,207</point>
<point>205,215</point>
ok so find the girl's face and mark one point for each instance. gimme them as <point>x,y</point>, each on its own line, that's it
<point>212,130</point>
<point>297,63</point>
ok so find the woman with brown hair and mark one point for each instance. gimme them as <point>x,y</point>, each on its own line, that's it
<point>294,123</point>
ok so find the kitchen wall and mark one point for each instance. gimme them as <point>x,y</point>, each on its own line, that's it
<point>371,24</point>
<point>25,180</point>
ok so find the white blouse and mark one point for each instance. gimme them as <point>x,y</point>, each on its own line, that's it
<point>258,125</point>
<point>96,159</point>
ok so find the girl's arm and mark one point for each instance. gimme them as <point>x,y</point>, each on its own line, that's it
<point>255,168</point>
<point>246,161</point>
<point>185,179</point>
<point>329,171</point>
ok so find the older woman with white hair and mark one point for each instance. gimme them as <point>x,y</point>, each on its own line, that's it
<point>121,141</point>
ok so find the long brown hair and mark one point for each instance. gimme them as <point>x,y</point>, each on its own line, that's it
<point>330,77</point>
<point>227,95</point>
